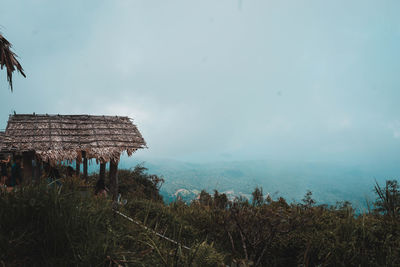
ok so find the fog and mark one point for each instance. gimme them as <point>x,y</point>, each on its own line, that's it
<point>218,80</point>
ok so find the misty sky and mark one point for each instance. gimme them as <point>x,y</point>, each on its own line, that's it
<point>217,79</point>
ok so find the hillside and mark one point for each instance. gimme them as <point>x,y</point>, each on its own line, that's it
<point>65,224</point>
<point>328,182</point>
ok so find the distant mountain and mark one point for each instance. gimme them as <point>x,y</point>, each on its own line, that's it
<point>329,182</point>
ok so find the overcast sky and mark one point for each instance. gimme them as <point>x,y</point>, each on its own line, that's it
<point>217,79</point>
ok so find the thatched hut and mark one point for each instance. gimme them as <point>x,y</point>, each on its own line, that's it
<point>67,138</point>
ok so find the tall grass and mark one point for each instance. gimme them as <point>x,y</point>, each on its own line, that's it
<point>45,225</point>
<point>64,226</point>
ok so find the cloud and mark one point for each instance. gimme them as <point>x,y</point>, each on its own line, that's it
<point>394,126</point>
<point>205,79</point>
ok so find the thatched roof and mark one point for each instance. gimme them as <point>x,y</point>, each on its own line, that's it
<point>64,137</point>
<point>2,140</point>
<point>9,60</point>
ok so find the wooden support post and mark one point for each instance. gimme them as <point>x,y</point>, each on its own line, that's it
<point>27,158</point>
<point>102,175</point>
<point>36,169</point>
<point>114,178</point>
<point>77,167</point>
<point>39,168</point>
<point>85,165</point>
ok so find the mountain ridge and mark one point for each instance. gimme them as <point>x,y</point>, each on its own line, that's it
<point>329,182</point>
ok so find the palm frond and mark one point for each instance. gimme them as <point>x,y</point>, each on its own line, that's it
<point>9,60</point>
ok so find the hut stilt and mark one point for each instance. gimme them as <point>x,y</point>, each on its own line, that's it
<point>113,177</point>
<point>77,167</point>
<point>85,165</point>
<point>102,175</point>
<point>27,158</point>
<point>35,169</point>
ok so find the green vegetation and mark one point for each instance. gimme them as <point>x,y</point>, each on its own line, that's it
<point>329,182</point>
<point>64,226</point>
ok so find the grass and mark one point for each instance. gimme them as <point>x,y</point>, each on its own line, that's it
<point>45,225</point>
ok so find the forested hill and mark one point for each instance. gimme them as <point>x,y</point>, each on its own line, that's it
<point>329,182</point>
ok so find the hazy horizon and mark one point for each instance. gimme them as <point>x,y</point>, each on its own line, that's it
<point>218,80</point>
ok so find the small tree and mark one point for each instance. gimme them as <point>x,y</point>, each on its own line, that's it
<point>220,200</point>
<point>258,198</point>
<point>308,201</point>
<point>388,200</point>
<point>205,198</point>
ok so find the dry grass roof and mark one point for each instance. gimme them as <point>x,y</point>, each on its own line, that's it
<point>64,137</point>
<point>2,140</point>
